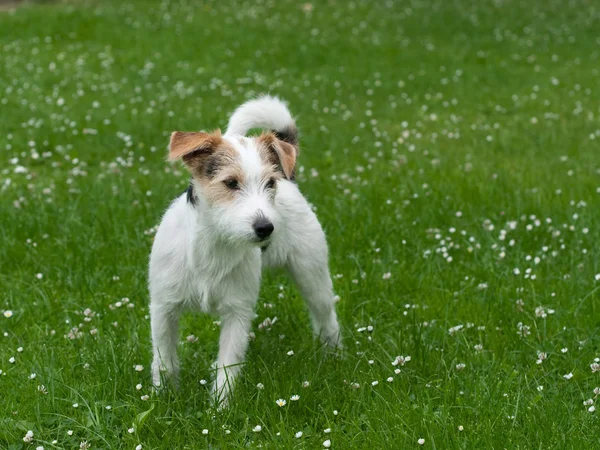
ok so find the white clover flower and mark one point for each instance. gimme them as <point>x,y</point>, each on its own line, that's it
<point>298,435</point>
<point>568,376</point>
<point>28,437</point>
<point>421,441</point>
<point>257,428</point>
<point>327,443</point>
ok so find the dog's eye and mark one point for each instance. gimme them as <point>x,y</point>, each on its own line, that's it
<point>232,184</point>
<point>270,184</point>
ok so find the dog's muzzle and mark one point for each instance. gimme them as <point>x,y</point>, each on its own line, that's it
<point>263,228</point>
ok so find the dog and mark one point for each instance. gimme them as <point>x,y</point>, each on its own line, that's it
<point>241,212</point>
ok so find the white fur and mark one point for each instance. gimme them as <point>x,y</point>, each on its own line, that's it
<point>204,258</point>
<point>264,112</point>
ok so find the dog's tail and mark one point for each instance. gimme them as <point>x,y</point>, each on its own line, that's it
<point>264,112</point>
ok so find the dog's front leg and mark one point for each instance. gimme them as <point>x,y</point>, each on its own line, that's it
<point>164,318</point>
<point>233,343</point>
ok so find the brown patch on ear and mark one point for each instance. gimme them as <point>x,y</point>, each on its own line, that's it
<point>183,144</point>
<point>278,153</point>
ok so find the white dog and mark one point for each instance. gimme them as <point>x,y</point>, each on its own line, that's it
<point>242,211</point>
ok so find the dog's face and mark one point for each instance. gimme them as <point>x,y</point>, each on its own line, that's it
<point>236,178</point>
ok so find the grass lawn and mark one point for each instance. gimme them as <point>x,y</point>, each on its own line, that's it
<point>451,150</point>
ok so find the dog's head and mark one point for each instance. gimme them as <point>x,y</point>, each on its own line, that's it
<point>236,179</point>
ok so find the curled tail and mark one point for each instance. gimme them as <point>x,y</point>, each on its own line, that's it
<point>264,112</point>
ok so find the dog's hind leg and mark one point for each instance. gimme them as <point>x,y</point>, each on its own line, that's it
<point>309,269</point>
<point>164,320</point>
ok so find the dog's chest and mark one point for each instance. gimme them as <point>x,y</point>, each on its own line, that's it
<point>221,276</point>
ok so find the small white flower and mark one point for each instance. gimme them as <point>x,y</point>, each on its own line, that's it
<point>257,428</point>
<point>597,277</point>
<point>595,367</point>
<point>461,428</point>
<point>39,276</point>
<point>205,432</point>
<point>305,384</point>
<point>295,398</point>
<point>397,371</point>
<point>8,313</point>
<point>588,402</point>
<point>401,360</point>
<point>138,447</point>
<point>145,397</point>
<point>75,405</point>
<point>375,383</point>
<point>130,430</point>
<point>290,353</point>
<point>70,432</point>
<point>11,360</point>
<point>298,435</point>
<point>108,407</point>
<point>421,441</point>
<point>335,411</point>
<point>460,366</point>
<point>32,376</point>
<point>28,436</point>
<point>564,350</point>
<point>597,391</point>
<point>592,409</point>
<point>280,402</point>
<point>327,430</point>
<point>327,443</point>
<point>203,382</point>
<point>260,386</point>
<point>390,379</point>
<point>568,376</point>
<point>39,447</point>
<point>139,368</point>
<point>138,386</point>
<point>540,388</point>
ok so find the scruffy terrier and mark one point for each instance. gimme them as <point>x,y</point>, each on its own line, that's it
<point>242,211</point>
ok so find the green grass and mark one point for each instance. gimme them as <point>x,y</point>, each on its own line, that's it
<point>428,128</point>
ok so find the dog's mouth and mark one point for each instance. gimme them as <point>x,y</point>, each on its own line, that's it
<point>261,242</point>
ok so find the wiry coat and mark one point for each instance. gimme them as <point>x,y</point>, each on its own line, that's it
<point>243,211</point>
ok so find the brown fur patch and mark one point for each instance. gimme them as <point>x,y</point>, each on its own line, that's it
<point>210,160</point>
<point>278,153</point>
<point>183,143</point>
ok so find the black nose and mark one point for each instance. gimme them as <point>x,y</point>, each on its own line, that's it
<point>263,228</point>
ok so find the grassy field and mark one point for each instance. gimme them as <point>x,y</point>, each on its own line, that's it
<point>451,150</point>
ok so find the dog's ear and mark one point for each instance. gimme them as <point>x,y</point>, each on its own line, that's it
<point>280,153</point>
<point>187,145</point>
